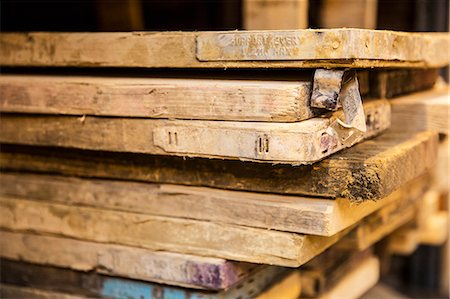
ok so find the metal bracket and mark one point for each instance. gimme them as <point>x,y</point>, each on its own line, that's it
<point>333,89</point>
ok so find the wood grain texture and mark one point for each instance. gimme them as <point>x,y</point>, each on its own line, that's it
<point>163,233</point>
<point>102,286</point>
<point>275,14</point>
<point>115,260</point>
<point>427,110</point>
<point>12,291</point>
<point>276,212</point>
<point>242,100</point>
<point>302,142</point>
<point>384,221</point>
<point>357,48</point>
<point>348,13</point>
<point>370,170</point>
<point>356,282</point>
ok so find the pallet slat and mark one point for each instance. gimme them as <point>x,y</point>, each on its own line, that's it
<point>357,48</point>
<point>302,142</point>
<point>370,170</point>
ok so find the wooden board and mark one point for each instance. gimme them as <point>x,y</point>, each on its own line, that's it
<point>95,285</point>
<point>325,271</point>
<point>275,14</point>
<point>356,282</point>
<point>302,142</point>
<point>357,48</point>
<point>158,233</point>
<point>287,288</point>
<point>383,222</point>
<point>370,170</point>
<point>276,212</point>
<point>12,291</point>
<point>348,13</point>
<point>242,100</point>
<point>427,110</point>
<point>396,82</point>
<point>116,260</point>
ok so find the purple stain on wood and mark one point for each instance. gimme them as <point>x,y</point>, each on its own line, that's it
<point>218,276</point>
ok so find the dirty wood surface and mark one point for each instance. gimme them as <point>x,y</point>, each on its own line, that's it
<point>368,171</point>
<point>357,48</point>
<point>241,100</point>
<point>159,233</point>
<point>302,142</point>
<point>269,211</point>
<point>116,260</point>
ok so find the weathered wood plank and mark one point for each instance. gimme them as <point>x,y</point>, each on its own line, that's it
<point>302,142</point>
<point>279,212</point>
<point>242,100</point>
<point>12,291</point>
<point>275,14</point>
<point>163,233</point>
<point>427,110</point>
<point>356,282</point>
<point>384,221</point>
<point>132,262</point>
<point>288,287</point>
<point>95,285</point>
<point>370,170</point>
<point>357,48</point>
<point>348,13</point>
<point>325,271</point>
<point>396,82</point>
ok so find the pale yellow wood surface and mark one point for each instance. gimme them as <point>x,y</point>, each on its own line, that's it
<point>302,142</point>
<point>243,100</point>
<point>202,238</point>
<point>422,111</point>
<point>116,260</point>
<point>275,14</point>
<point>348,13</point>
<point>288,288</point>
<point>356,48</point>
<point>356,282</point>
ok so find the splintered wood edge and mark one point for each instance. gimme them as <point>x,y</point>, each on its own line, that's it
<point>357,48</point>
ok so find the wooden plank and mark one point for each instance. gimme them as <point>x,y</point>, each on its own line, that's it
<point>357,282</point>
<point>95,285</point>
<point>242,100</point>
<point>12,291</point>
<point>288,288</point>
<point>348,13</point>
<point>324,272</point>
<point>383,222</point>
<point>393,83</point>
<point>370,170</point>
<point>163,233</point>
<point>275,14</point>
<point>427,110</point>
<point>277,212</point>
<point>116,260</point>
<point>357,48</point>
<point>302,142</point>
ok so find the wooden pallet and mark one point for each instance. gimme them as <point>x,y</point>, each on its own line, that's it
<point>356,48</point>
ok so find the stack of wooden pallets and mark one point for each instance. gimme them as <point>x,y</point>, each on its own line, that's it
<point>208,164</point>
